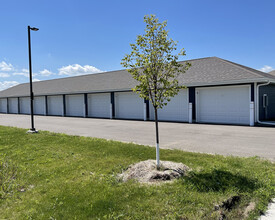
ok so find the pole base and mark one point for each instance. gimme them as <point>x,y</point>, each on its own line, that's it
<point>32,131</point>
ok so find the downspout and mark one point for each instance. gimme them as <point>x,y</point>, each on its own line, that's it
<point>258,106</point>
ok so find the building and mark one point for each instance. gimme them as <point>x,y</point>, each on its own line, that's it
<point>218,91</point>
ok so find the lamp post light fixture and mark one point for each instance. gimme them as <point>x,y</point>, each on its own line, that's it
<point>32,130</point>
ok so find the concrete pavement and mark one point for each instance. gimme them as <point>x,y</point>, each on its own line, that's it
<point>214,139</point>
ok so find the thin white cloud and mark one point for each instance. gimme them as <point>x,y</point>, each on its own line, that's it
<point>36,80</point>
<point>76,70</point>
<point>4,75</point>
<point>7,84</point>
<point>46,72</point>
<point>5,66</point>
<point>21,74</point>
<point>266,69</point>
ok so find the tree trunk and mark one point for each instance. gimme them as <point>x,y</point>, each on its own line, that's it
<point>157,138</point>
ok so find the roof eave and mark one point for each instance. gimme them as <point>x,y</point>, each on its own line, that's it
<point>70,93</point>
<point>242,81</point>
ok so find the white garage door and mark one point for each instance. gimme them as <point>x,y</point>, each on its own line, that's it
<point>55,105</point>
<point>13,105</point>
<point>24,105</point>
<point>175,110</point>
<point>99,105</point>
<point>75,105</point>
<point>228,104</point>
<point>3,105</point>
<point>129,105</point>
<point>39,105</point>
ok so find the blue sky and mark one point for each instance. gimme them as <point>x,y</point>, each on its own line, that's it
<point>81,37</point>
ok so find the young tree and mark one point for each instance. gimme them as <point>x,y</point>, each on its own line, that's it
<point>152,63</point>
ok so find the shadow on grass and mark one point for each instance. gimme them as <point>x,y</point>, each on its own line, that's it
<point>220,181</point>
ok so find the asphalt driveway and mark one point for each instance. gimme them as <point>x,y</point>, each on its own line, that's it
<point>214,139</point>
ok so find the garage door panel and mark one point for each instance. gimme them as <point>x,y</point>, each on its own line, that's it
<point>3,105</point>
<point>75,105</point>
<point>228,105</point>
<point>175,110</point>
<point>25,105</point>
<point>39,105</point>
<point>55,105</point>
<point>128,105</point>
<point>13,105</point>
<point>99,105</point>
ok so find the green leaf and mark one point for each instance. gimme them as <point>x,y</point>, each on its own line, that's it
<point>153,63</point>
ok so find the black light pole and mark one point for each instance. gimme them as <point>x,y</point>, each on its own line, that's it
<point>32,130</point>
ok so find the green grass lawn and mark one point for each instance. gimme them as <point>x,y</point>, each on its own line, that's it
<point>56,176</point>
